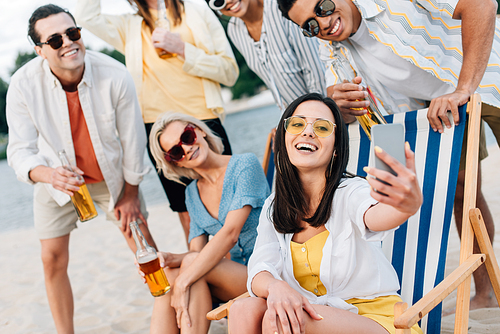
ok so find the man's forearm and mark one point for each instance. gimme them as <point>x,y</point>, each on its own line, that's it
<point>41,174</point>
<point>478,27</point>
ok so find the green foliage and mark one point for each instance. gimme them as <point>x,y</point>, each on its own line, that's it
<point>248,83</point>
<point>114,54</point>
<point>498,8</point>
<point>3,95</point>
<point>22,58</point>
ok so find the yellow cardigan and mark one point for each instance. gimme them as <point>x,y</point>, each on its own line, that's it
<point>123,32</point>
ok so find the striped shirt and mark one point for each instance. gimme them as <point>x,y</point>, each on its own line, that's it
<point>283,58</point>
<point>425,34</point>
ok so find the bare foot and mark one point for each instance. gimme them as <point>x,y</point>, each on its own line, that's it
<point>483,302</point>
<point>476,302</point>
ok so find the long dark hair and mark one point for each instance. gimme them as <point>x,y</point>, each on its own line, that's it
<point>290,206</point>
<point>175,7</point>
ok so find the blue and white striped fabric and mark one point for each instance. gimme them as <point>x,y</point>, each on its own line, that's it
<point>283,58</point>
<point>417,250</point>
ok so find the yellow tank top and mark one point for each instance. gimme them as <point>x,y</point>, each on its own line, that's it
<point>306,259</point>
<point>166,86</point>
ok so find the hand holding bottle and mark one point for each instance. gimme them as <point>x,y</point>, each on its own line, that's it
<point>351,97</point>
<point>170,42</point>
<point>81,199</point>
<point>66,181</point>
<point>149,264</point>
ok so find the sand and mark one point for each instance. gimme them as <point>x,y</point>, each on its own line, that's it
<point>109,294</point>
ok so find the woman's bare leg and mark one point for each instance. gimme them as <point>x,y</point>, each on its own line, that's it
<point>227,280</point>
<point>246,315</point>
<point>163,318</point>
<point>335,321</point>
<point>200,303</point>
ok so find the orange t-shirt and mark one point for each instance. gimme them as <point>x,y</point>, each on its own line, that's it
<point>84,151</point>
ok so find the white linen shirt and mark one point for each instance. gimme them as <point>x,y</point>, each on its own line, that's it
<point>123,32</point>
<point>39,124</point>
<point>353,264</point>
<point>425,35</point>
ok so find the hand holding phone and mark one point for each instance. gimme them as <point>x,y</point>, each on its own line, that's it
<point>390,138</point>
<point>398,186</point>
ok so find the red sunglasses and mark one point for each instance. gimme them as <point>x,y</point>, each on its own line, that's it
<point>188,137</point>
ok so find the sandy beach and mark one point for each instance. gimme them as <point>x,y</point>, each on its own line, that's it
<point>109,295</point>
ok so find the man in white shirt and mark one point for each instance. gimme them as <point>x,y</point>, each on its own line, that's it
<point>410,53</point>
<point>84,103</point>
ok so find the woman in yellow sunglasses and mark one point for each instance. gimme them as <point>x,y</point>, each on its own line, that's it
<point>315,267</point>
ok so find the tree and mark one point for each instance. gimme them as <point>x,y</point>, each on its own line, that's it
<point>22,58</point>
<point>3,95</point>
<point>114,54</point>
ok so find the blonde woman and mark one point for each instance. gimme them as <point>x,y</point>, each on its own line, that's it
<point>188,82</point>
<point>223,201</point>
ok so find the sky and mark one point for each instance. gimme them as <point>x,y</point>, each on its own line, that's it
<point>14,16</point>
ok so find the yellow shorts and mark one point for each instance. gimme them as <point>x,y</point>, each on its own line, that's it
<point>381,310</point>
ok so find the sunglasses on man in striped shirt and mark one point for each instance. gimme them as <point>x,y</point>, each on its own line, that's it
<point>311,27</point>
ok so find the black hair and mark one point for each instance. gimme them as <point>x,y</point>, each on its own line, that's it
<point>285,6</point>
<point>42,13</point>
<point>290,206</point>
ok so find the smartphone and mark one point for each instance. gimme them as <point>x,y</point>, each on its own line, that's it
<point>390,138</point>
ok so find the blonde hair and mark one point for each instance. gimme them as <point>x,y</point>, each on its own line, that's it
<point>169,169</point>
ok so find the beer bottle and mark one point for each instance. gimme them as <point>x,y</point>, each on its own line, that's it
<point>149,263</point>
<point>163,22</point>
<point>373,116</point>
<point>81,199</point>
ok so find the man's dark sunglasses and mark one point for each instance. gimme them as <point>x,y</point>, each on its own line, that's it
<point>217,4</point>
<point>56,41</point>
<point>311,27</point>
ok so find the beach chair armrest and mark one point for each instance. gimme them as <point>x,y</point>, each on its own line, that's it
<point>223,310</point>
<point>431,299</point>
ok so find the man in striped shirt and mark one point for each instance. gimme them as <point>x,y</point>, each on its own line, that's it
<point>410,53</point>
<point>275,49</point>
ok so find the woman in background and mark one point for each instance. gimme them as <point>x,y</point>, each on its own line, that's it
<point>223,201</point>
<point>196,59</point>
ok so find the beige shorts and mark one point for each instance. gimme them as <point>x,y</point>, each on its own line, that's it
<point>52,220</point>
<point>483,151</point>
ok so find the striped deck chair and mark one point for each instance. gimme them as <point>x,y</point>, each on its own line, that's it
<point>417,249</point>
<point>268,161</point>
